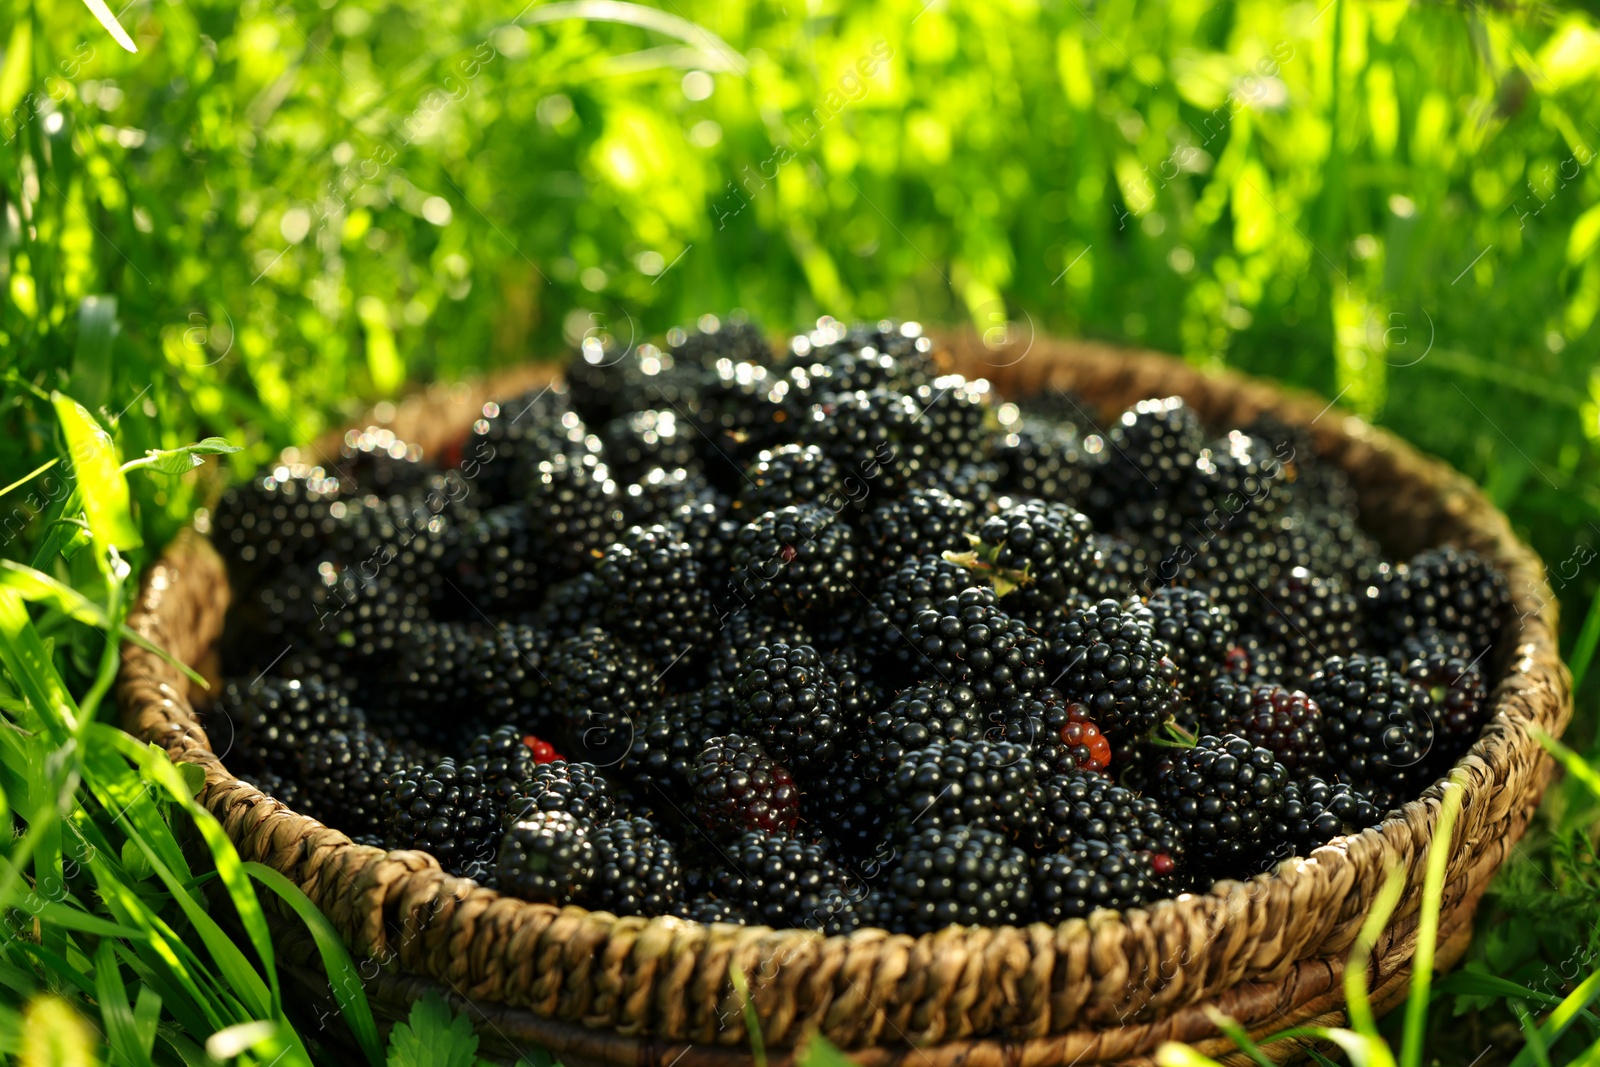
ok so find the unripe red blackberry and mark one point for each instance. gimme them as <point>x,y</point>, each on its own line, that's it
<point>1284,721</point>
<point>738,787</point>
<point>1058,732</point>
<point>1108,659</point>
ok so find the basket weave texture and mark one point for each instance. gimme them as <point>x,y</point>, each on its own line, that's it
<point>597,988</point>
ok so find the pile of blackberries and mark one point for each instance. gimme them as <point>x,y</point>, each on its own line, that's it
<point>828,637</point>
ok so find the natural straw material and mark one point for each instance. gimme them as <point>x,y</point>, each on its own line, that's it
<point>596,988</point>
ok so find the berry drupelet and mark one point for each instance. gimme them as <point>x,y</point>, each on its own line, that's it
<point>1058,732</point>
<point>958,875</point>
<point>738,788</point>
<point>1107,658</point>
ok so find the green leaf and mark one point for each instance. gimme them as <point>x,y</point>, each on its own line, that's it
<point>343,978</point>
<point>94,464</point>
<point>109,21</point>
<point>820,1052</point>
<point>177,461</point>
<point>18,69</point>
<point>433,1036</point>
<point>121,1031</point>
<point>91,363</point>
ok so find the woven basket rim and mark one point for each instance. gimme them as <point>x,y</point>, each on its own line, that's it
<point>1533,674</point>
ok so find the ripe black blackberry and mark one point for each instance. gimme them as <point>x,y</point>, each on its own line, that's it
<point>639,440</point>
<point>666,744</point>
<point>1107,658</point>
<point>790,474</point>
<point>1090,874</point>
<point>1284,721</point>
<point>968,639</point>
<point>578,506</point>
<point>569,606</point>
<point>738,787</point>
<point>453,679</point>
<point>577,789</point>
<point>789,701</point>
<point>273,720</point>
<point>360,623</point>
<point>1252,660</point>
<point>282,788</point>
<point>1444,589</point>
<point>446,810</point>
<point>878,435</point>
<point>707,907</point>
<point>600,688</point>
<point>1315,811</point>
<point>493,562</point>
<point>636,869</point>
<point>344,775</point>
<point>1198,633</point>
<point>1151,450</point>
<point>1445,666</point>
<point>282,517</point>
<point>1227,567</point>
<point>1047,460</point>
<point>784,881</point>
<point>674,497</point>
<point>958,875</point>
<point>712,339</point>
<point>1059,733</point>
<point>867,355</point>
<point>1236,482</point>
<point>1379,725</point>
<point>915,586</point>
<point>504,761</point>
<point>546,857</point>
<point>401,537</point>
<point>1082,806</point>
<point>514,434</point>
<point>1309,619</point>
<point>1043,549</point>
<point>961,421</point>
<point>745,408</point>
<point>1223,796</point>
<point>378,461</point>
<point>655,593</point>
<point>853,813</point>
<point>743,632</point>
<point>917,717</point>
<point>980,784</point>
<point>1327,541</point>
<point>923,522</point>
<point>799,562</point>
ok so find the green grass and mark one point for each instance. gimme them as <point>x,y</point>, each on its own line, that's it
<point>272,215</point>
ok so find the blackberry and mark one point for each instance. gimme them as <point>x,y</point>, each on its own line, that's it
<point>786,882</point>
<point>706,907</point>
<point>853,812</point>
<point>1443,665</point>
<point>737,787</point>
<point>273,720</point>
<point>1089,875</point>
<point>922,522</point>
<point>284,790</point>
<point>1151,450</point>
<point>919,716</point>
<point>636,870</point>
<point>745,408</point>
<point>504,760</point>
<point>1048,460</point>
<point>570,605</point>
<point>1198,633</point>
<point>789,701</point>
<point>980,784</point>
<point>1315,812</point>
<point>1285,722</point>
<point>714,339</point>
<point>445,810</point>
<point>958,875</point>
<point>967,639</point>
<point>960,418</point>
<point>1445,589</point>
<point>512,435</point>
<point>280,518</point>
<point>401,538</point>
<point>1059,733</point>
<point>1045,550</point>
<point>640,440</point>
<point>546,857</point>
<point>884,353</point>
<point>790,474</point>
<point>878,435</point>
<point>575,789</point>
<point>655,594</point>
<point>494,563</point>
<point>674,498</point>
<point>799,562</point>
<point>344,775</point>
<point>378,461</point>
<point>601,689</point>
<point>1223,796</point>
<point>1237,481</point>
<point>1310,619</point>
<point>358,623</point>
<point>454,678</point>
<point>915,586</point>
<point>742,633</point>
<point>578,506</point>
<point>1327,541</point>
<point>665,746</point>
<point>1377,723</point>
<point>1253,660</point>
<point>1080,806</point>
<point>1108,659</point>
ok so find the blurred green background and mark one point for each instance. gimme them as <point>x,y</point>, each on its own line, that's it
<point>298,208</point>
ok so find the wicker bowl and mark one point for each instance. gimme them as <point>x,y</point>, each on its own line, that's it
<point>598,989</point>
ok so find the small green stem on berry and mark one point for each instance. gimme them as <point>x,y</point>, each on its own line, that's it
<point>1168,734</point>
<point>1004,579</point>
